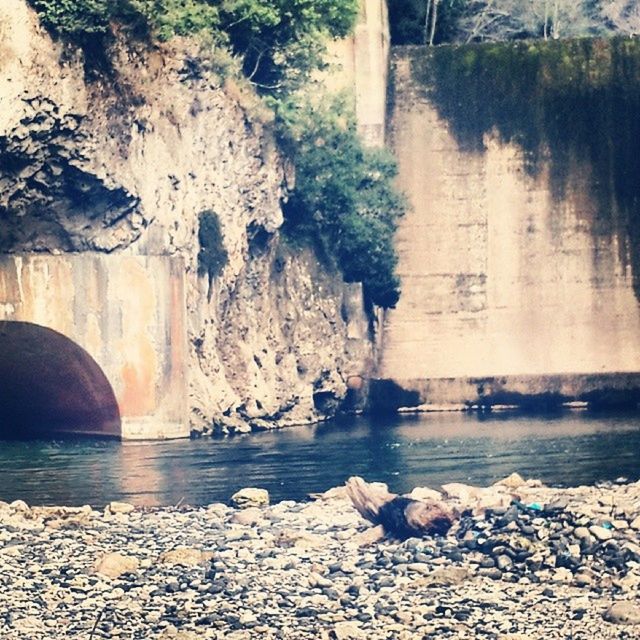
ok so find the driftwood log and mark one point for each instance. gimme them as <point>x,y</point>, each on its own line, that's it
<point>401,517</point>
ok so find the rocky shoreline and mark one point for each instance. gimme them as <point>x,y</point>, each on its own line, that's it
<point>522,562</point>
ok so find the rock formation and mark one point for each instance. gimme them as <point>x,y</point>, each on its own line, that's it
<point>123,158</point>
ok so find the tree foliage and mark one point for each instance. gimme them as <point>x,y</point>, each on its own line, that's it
<point>75,18</point>
<point>280,42</point>
<point>464,21</point>
<point>165,19</point>
<point>344,197</point>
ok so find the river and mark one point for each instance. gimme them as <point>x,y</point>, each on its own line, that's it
<point>404,451</point>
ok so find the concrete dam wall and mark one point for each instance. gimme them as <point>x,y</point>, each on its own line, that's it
<point>517,257</point>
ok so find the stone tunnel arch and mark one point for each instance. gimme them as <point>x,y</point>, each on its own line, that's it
<point>51,385</point>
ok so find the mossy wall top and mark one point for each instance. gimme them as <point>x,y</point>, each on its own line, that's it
<point>561,102</point>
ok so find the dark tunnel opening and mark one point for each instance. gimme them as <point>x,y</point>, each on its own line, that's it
<point>49,385</point>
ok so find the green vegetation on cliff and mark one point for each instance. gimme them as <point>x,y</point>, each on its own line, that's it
<point>213,256</point>
<point>279,42</point>
<point>344,199</point>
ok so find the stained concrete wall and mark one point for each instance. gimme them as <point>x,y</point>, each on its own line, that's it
<point>127,312</point>
<point>499,277</point>
<point>360,64</point>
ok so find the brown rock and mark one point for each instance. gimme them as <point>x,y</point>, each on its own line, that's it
<point>425,493</point>
<point>120,507</point>
<point>113,565</point>
<point>248,517</point>
<point>446,576</point>
<point>370,536</point>
<point>463,492</point>
<point>512,481</point>
<point>300,539</point>
<point>186,556</point>
<point>250,497</point>
<point>348,630</point>
<point>623,612</point>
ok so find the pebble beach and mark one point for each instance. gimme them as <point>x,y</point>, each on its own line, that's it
<point>523,561</point>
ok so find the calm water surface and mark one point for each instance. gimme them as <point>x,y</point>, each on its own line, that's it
<point>405,452</point>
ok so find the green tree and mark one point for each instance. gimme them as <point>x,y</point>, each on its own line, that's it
<point>344,199</point>
<point>283,41</point>
<point>165,19</point>
<point>75,18</point>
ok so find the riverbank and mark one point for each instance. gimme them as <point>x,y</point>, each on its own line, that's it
<point>556,563</point>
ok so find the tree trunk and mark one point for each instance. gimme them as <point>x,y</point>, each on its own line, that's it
<point>556,27</point>
<point>546,20</point>
<point>434,17</point>
<point>401,517</point>
<point>426,22</point>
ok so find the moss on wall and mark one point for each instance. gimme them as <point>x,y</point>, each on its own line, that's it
<point>566,102</point>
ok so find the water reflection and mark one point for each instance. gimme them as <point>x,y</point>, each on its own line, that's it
<point>404,451</point>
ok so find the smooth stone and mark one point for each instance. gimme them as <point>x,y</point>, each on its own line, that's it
<point>248,517</point>
<point>348,630</point>
<point>512,481</point>
<point>113,565</point>
<point>600,533</point>
<point>19,505</point>
<point>494,574</point>
<point>185,557</point>
<point>120,507</point>
<point>250,497</point>
<point>419,567</point>
<point>623,612</point>
<point>503,562</point>
<point>583,580</point>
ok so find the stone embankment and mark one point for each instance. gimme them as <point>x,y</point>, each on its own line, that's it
<point>522,561</point>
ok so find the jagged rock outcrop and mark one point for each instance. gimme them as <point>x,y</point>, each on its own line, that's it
<point>124,159</point>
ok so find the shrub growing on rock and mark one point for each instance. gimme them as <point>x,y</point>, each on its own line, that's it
<point>75,18</point>
<point>212,256</point>
<point>344,198</point>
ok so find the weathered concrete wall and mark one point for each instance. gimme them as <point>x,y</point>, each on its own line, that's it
<point>127,312</point>
<point>500,276</point>
<point>361,66</point>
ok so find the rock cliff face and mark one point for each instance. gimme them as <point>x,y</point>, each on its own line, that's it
<point>124,159</point>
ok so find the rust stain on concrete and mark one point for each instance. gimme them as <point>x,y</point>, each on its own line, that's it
<point>128,312</point>
<point>138,397</point>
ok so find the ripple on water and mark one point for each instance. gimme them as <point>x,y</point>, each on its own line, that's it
<point>404,451</point>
